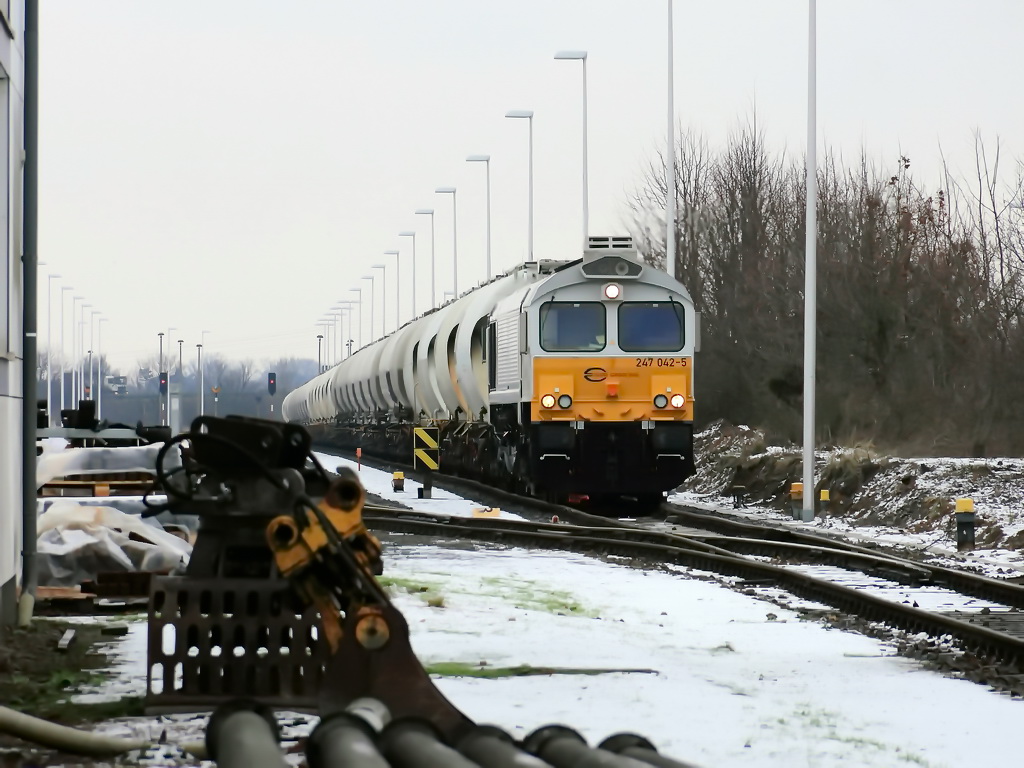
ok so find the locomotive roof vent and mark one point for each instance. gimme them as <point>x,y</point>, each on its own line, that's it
<point>611,257</point>
<point>601,241</point>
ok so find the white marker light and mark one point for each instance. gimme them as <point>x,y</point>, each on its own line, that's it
<point>678,401</point>
<point>612,291</point>
<point>548,401</point>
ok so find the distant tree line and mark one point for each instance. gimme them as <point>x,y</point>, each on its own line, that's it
<point>920,295</point>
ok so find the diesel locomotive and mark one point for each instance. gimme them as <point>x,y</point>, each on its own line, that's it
<point>559,379</point>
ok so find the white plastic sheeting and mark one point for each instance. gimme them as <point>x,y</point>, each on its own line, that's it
<point>55,462</point>
<point>77,541</point>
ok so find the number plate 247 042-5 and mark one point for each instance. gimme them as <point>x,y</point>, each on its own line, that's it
<point>661,362</point>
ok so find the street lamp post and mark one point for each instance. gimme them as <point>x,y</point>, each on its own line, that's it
<point>810,265</point>
<point>370,278</point>
<point>359,315</point>
<point>383,298</point>
<point>325,326</point>
<point>486,160</point>
<point>433,286</point>
<point>670,158</point>
<point>159,373</point>
<point>319,355</point>
<point>62,290</point>
<point>582,56</point>
<point>455,236</point>
<point>99,366</point>
<point>167,409</point>
<point>398,287</point>
<point>81,351</point>
<point>409,233</point>
<point>527,114</point>
<point>74,352</point>
<point>339,331</point>
<point>92,346</point>
<point>49,349</point>
<point>202,379</point>
<point>202,374</point>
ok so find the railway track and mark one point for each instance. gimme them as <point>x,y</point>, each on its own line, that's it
<point>992,642</point>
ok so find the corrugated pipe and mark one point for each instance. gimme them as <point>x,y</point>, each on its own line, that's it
<point>244,734</point>
<point>347,738</point>
<point>71,740</point>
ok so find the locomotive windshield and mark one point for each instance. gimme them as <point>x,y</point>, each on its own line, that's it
<point>572,326</point>
<point>651,326</point>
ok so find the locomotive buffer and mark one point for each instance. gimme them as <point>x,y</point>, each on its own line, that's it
<point>426,456</point>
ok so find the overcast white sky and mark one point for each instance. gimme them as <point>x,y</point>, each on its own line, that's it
<point>238,166</point>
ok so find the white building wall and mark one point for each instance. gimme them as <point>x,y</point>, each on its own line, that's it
<point>12,104</point>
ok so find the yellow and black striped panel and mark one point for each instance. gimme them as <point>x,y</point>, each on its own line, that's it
<point>612,388</point>
<point>425,451</point>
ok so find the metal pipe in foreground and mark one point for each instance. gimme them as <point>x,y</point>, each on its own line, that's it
<point>416,744</point>
<point>639,748</point>
<point>493,747</point>
<point>244,734</point>
<point>347,738</point>
<point>565,748</point>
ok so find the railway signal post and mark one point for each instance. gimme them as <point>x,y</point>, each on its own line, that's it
<point>426,456</point>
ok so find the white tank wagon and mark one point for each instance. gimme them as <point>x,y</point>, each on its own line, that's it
<point>557,378</point>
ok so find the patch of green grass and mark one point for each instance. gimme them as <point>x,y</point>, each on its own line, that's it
<point>406,585</point>
<point>533,596</point>
<point>37,679</point>
<point>461,669</point>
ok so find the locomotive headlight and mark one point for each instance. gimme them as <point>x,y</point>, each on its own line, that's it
<point>678,401</point>
<point>548,401</point>
<point>660,401</point>
<point>564,401</point>
<point>612,291</point>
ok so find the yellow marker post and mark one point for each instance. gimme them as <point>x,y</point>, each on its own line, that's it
<point>796,499</point>
<point>398,481</point>
<point>964,524</point>
<point>426,456</point>
<point>486,512</point>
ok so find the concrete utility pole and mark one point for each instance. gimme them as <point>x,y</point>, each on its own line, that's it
<point>810,266</point>
<point>670,160</point>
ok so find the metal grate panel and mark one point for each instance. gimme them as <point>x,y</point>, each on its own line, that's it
<point>212,640</point>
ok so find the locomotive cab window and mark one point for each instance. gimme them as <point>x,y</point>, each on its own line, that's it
<point>567,326</point>
<point>651,326</point>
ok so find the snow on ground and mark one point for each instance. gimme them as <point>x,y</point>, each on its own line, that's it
<point>732,688</point>
<point>904,503</point>
<point>378,483</point>
<point>731,685</point>
<point>936,544</point>
<point>723,679</point>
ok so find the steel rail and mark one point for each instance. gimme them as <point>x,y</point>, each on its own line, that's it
<point>973,584</point>
<point>984,587</point>
<point>610,542</point>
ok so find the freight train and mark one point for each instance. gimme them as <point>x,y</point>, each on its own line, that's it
<point>559,379</point>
